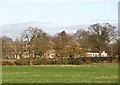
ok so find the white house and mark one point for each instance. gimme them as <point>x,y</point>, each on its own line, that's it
<point>103,54</point>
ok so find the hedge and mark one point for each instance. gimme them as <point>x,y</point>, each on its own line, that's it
<point>22,62</point>
<point>41,61</point>
<point>4,63</point>
<point>63,61</point>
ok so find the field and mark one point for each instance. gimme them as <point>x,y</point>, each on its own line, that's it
<point>95,73</point>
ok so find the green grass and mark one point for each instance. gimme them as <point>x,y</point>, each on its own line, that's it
<point>96,73</point>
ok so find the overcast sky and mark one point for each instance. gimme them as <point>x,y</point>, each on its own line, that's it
<point>55,15</point>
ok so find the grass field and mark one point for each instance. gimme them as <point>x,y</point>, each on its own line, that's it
<point>96,73</point>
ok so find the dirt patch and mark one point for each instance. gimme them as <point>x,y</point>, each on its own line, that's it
<point>22,72</point>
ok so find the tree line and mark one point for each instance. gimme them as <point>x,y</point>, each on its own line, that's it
<point>35,41</point>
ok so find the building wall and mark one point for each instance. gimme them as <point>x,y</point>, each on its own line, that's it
<point>103,54</point>
<point>88,55</point>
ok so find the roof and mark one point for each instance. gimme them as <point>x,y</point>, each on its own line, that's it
<point>94,52</point>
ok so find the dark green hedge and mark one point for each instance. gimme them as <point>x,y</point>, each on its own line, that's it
<point>63,61</point>
<point>99,59</point>
<point>4,63</point>
<point>41,61</point>
<point>75,61</point>
<point>22,62</point>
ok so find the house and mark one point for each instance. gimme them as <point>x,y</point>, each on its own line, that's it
<point>50,54</point>
<point>93,54</point>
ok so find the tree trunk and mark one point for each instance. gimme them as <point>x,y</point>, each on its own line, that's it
<point>100,52</point>
<point>35,56</point>
<point>30,60</point>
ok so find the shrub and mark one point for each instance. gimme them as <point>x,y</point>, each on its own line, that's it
<point>4,63</point>
<point>94,59</point>
<point>53,62</point>
<point>88,61</point>
<point>75,62</point>
<point>115,60</point>
<point>41,61</point>
<point>62,61</point>
<point>22,62</point>
<point>109,59</point>
<point>102,59</point>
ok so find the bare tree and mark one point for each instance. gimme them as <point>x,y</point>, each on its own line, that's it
<point>102,34</point>
<point>7,46</point>
<point>37,42</point>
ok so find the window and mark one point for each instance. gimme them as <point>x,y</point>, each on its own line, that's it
<point>96,55</point>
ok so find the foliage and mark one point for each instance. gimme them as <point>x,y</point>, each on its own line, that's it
<point>74,49</point>
<point>22,62</point>
<point>61,41</point>
<point>63,61</point>
<point>4,63</point>
<point>102,35</point>
<point>37,43</point>
<point>7,48</point>
<point>60,61</point>
<point>41,61</point>
<point>113,49</point>
<point>75,62</point>
<point>82,37</point>
<point>65,46</point>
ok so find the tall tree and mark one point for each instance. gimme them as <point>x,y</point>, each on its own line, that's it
<point>7,46</point>
<point>82,37</point>
<point>19,47</point>
<point>102,34</point>
<point>65,45</point>
<point>61,41</point>
<point>37,42</point>
<point>75,50</point>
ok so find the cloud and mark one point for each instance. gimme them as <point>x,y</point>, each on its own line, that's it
<point>68,29</point>
<point>59,0</point>
<point>15,30</point>
<point>106,20</point>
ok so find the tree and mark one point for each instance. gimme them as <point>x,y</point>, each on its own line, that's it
<point>19,47</point>
<point>119,47</point>
<point>102,35</point>
<point>65,45</point>
<point>37,42</point>
<point>82,37</point>
<point>7,46</point>
<point>0,48</point>
<point>113,48</point>
<point>61,41</point>
<point>75,50</point>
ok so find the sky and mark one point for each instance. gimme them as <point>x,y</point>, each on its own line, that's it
<point>54,16</point>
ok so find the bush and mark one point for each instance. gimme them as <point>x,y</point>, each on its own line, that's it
<point>41,61</point>
<point>22,62</point>
<point>53,62</point>
<point>94,59</point>
<point>62,61</point>
<point>115,61</point>
<point>75,62</point>
<point>4,63</point>
<point>89,61</point>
